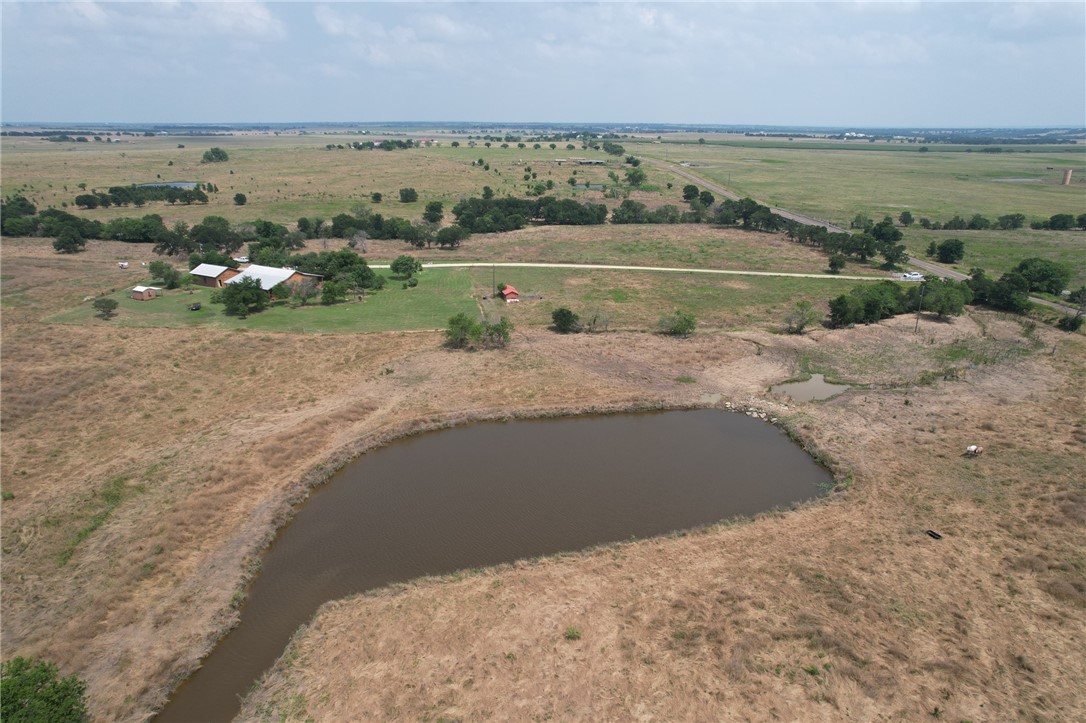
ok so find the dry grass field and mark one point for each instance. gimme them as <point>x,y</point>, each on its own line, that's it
<point>148,467</point>
<point>144,468</point>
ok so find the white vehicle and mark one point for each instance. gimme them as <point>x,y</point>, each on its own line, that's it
<point>122,264</point>
<point>912,276</point>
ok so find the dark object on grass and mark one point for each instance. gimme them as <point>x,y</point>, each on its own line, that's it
<point>934,535</point>
<point>195,307</point>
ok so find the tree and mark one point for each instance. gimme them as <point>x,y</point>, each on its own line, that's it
<point>305,291</point>
<point>488,192</point>
<point>802,315</point>
<point>244,297</point>
<point>376,197</point>
<point>690,192</point>
<point>332,292</point>
<point>240,199</point>
<point>170,276</point>
<point>635,176</point>
<point>69,241</point>
<point>1061,222</point>
<point>932,250</point>
<point>1044,275</point>
<point>894,254</point>
<point>434,212</point>
<point>681,323</point>
<point>1080,220</point>
<point>1011,221</point>
<point>565,320</point>
<point>463,331</point>
<point>105,307</point>
<point>706,198</point>
<point>406,266</point>
<point>906,218</point>
<point>837,262</point>
<point>950,251</point>
<point>32,692</point>
<point>408,195</point>
<point>214,155</point>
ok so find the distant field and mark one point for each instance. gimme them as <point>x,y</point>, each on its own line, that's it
<point>1000,251</point>
<point>289,177</point>
<point>836,184</point>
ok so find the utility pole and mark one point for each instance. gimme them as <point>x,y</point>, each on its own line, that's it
<point>920,307</point>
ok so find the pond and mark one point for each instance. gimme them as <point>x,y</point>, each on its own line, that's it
<point>491,493</point>
<point>813,389</point>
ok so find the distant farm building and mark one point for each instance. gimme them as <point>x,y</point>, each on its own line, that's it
<point>144,293</point>
<point>270,276</point>
<point>510,294</point>
<point>213,276</point>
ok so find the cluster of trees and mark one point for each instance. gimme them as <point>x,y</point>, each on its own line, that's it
<point>1011,291</point>
<point>1061,222</point>
<point>882,239</point>
<point>491,215</point>
<point>467,333</point>
<point>613,149</point>
<point>141,195</point>
<point>630,211</point>
<point>365,224</point>
<point>869,303</point>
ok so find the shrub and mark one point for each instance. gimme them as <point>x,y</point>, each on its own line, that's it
<point>105,307</point>
<point>214,155</point>
<point>408,195</point>
<point>565,320</point>
<point>1071,323</point>
<point>572,633</point>
<point>681,323</point>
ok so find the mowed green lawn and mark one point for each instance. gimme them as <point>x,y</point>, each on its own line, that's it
<point>637,300</point>
<point>836,183</point>
<point>1000,251</point>
<point>441,293</point>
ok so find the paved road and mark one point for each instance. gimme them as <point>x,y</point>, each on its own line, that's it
<point>925,266</point>
<point>608,267</point>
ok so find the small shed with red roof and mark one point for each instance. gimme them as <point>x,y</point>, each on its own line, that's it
<point>510,294</point>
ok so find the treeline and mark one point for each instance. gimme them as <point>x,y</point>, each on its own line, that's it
<point>141,195</point>
<point>385,145</point>
<point>979,222</point>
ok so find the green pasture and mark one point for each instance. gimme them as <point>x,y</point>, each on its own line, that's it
<point>637,300</point>
<point>835,184</point>
<point>441,293</point>
<point>1000,251</point>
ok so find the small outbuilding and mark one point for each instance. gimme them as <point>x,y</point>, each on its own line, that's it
<point>144,293</point>
<point>510,294</point>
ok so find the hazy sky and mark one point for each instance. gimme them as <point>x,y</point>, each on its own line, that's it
<point>859,63</point>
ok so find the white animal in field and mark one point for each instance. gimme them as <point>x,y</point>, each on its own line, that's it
<point>973,450</point>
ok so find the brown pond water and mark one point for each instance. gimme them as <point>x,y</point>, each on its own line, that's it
<point>492,493</point>
<point>811,390</point>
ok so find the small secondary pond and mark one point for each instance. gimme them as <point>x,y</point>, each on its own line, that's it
<point>811,390</point>
<point>491,493</point>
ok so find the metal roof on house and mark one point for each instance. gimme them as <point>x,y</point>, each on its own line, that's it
<point>509,291</point>
<point>208,270</point>
<point>141,289</point>
<point>269,276</point>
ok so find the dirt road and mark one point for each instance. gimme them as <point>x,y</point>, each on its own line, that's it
<point>608,267</point>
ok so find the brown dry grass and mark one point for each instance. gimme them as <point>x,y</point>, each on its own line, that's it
<point>843,609</point>
<point>205,438</point>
